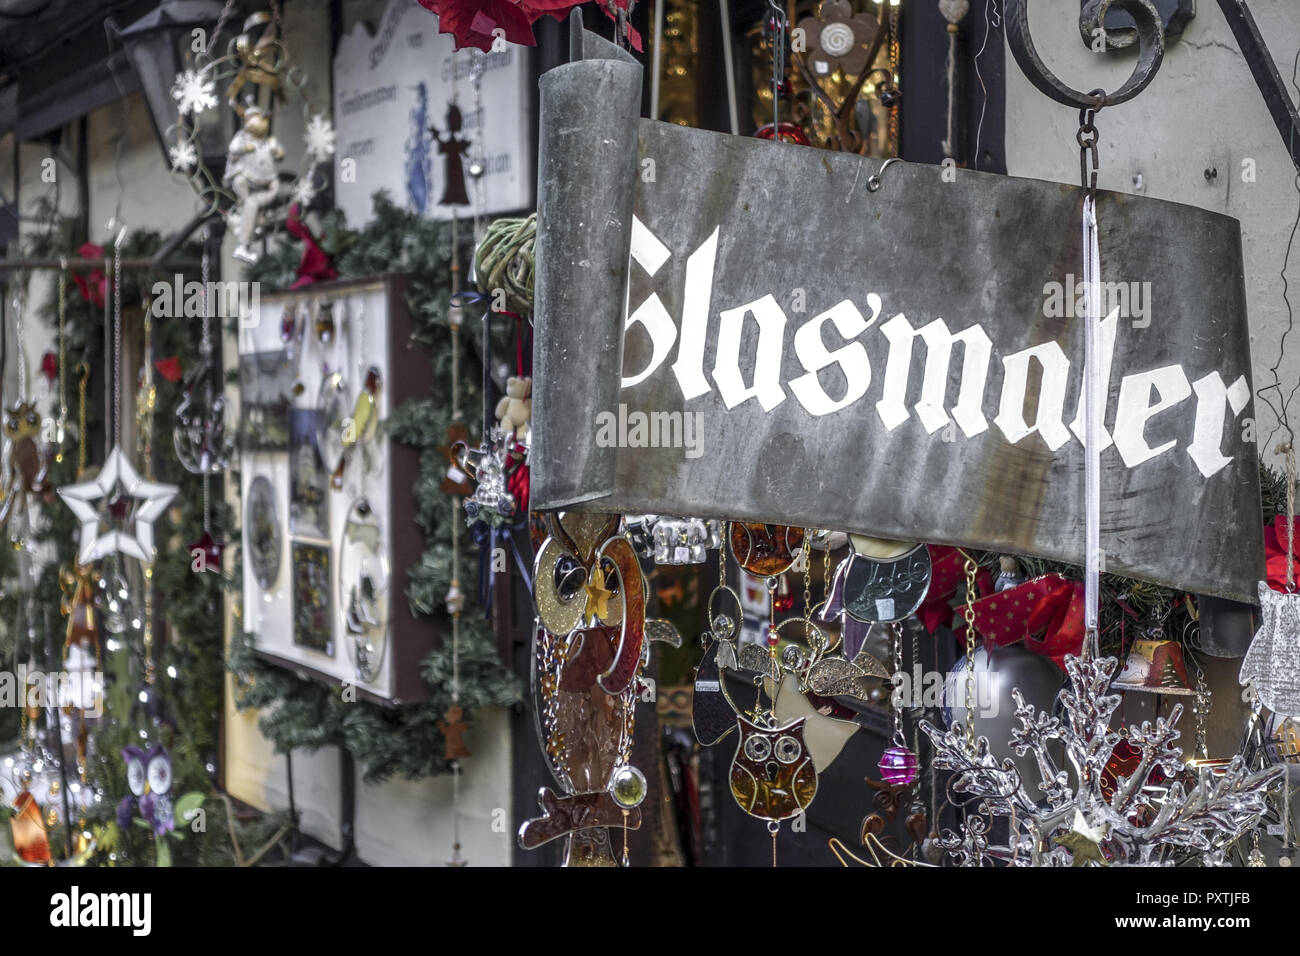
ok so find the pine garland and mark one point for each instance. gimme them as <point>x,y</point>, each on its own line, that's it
<point>189,604</point>
<point>305,714</point>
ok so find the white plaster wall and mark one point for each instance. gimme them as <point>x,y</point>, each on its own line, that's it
<point>1202,111</point>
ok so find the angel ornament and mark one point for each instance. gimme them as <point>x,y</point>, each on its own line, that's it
<point>1272,664</point>
<point>252,173</point>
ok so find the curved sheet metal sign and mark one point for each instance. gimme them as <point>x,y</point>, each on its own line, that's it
<point>733,328</point>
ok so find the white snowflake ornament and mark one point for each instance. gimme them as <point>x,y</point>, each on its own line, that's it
<point>320,138</point>
<point>184,156</point>
<point>194,93</point>
<point>304,191</point>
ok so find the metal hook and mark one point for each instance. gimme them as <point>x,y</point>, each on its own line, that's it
<point>1151,50</point>
<point>873,181</point>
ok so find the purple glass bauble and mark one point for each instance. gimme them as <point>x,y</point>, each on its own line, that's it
<point>898,766</point>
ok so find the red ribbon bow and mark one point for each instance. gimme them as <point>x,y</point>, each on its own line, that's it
<point>1050,606</point>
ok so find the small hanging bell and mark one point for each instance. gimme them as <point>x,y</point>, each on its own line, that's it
<point>1156,667</point>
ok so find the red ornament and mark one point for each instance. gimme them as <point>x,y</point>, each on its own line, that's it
<point>790,133</point>
<point>315,266</point>
<point>50,366</point>
<point>206,554</point>
<point>93,286</point>
<point>517,481</point>
<point>169,368</point>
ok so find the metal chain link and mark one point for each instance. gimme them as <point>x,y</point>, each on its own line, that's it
<point>117,338</point>
<point>1087,137</point>
<point>807,575</point>
<point>969,615</point>
<point>63,359</point>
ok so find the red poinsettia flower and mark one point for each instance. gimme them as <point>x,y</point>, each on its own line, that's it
<point>169,368</point>
<point>471,22</point>
<point>92,287</point>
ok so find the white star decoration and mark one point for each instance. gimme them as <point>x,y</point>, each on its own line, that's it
<point>137,542</point>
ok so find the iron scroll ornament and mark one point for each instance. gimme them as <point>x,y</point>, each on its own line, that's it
<point>1151,50</point>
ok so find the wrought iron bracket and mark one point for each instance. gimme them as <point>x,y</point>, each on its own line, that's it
<point>1119,32</point>
<point>1150,39</point>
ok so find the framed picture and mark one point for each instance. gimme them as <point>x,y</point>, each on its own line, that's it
<point>313,622</point>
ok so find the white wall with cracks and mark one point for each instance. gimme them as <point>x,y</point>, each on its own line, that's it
<point>1195,135</point>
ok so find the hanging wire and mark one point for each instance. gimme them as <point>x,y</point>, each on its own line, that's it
<point>1280,414</point>
<point>992,21</point>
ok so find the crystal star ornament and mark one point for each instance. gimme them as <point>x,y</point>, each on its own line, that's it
<point>107,528</point>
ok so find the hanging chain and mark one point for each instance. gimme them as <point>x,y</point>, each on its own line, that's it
<point>896,698</point>
<point>63,358</point>
<point>806,557</point>
<point>221,23</point>
<point>476,80</point>
<point>776,23</point>
<point>19,305</point>
<point>81,417</point>
<point>1087,139</point>
<point>148,625</point>
<point>117,337</point>
<point>969,615</point>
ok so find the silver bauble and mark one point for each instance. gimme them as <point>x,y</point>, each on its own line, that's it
<point>997,674</point>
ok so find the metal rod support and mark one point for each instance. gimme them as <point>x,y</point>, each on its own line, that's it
<point>1255,52</point>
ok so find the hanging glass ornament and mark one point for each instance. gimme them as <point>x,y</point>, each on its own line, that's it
<point>200,437</point>
<point>263,532</point>
<point>363,586</point>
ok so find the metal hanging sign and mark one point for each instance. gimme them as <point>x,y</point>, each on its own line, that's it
<point>766,332</point>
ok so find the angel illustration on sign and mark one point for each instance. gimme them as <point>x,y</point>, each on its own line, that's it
<point>454,148</point>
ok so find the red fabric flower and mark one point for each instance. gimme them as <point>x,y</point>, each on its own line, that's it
<point>169,368</point>
<point>315,266</point>
<point>93,286</point>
